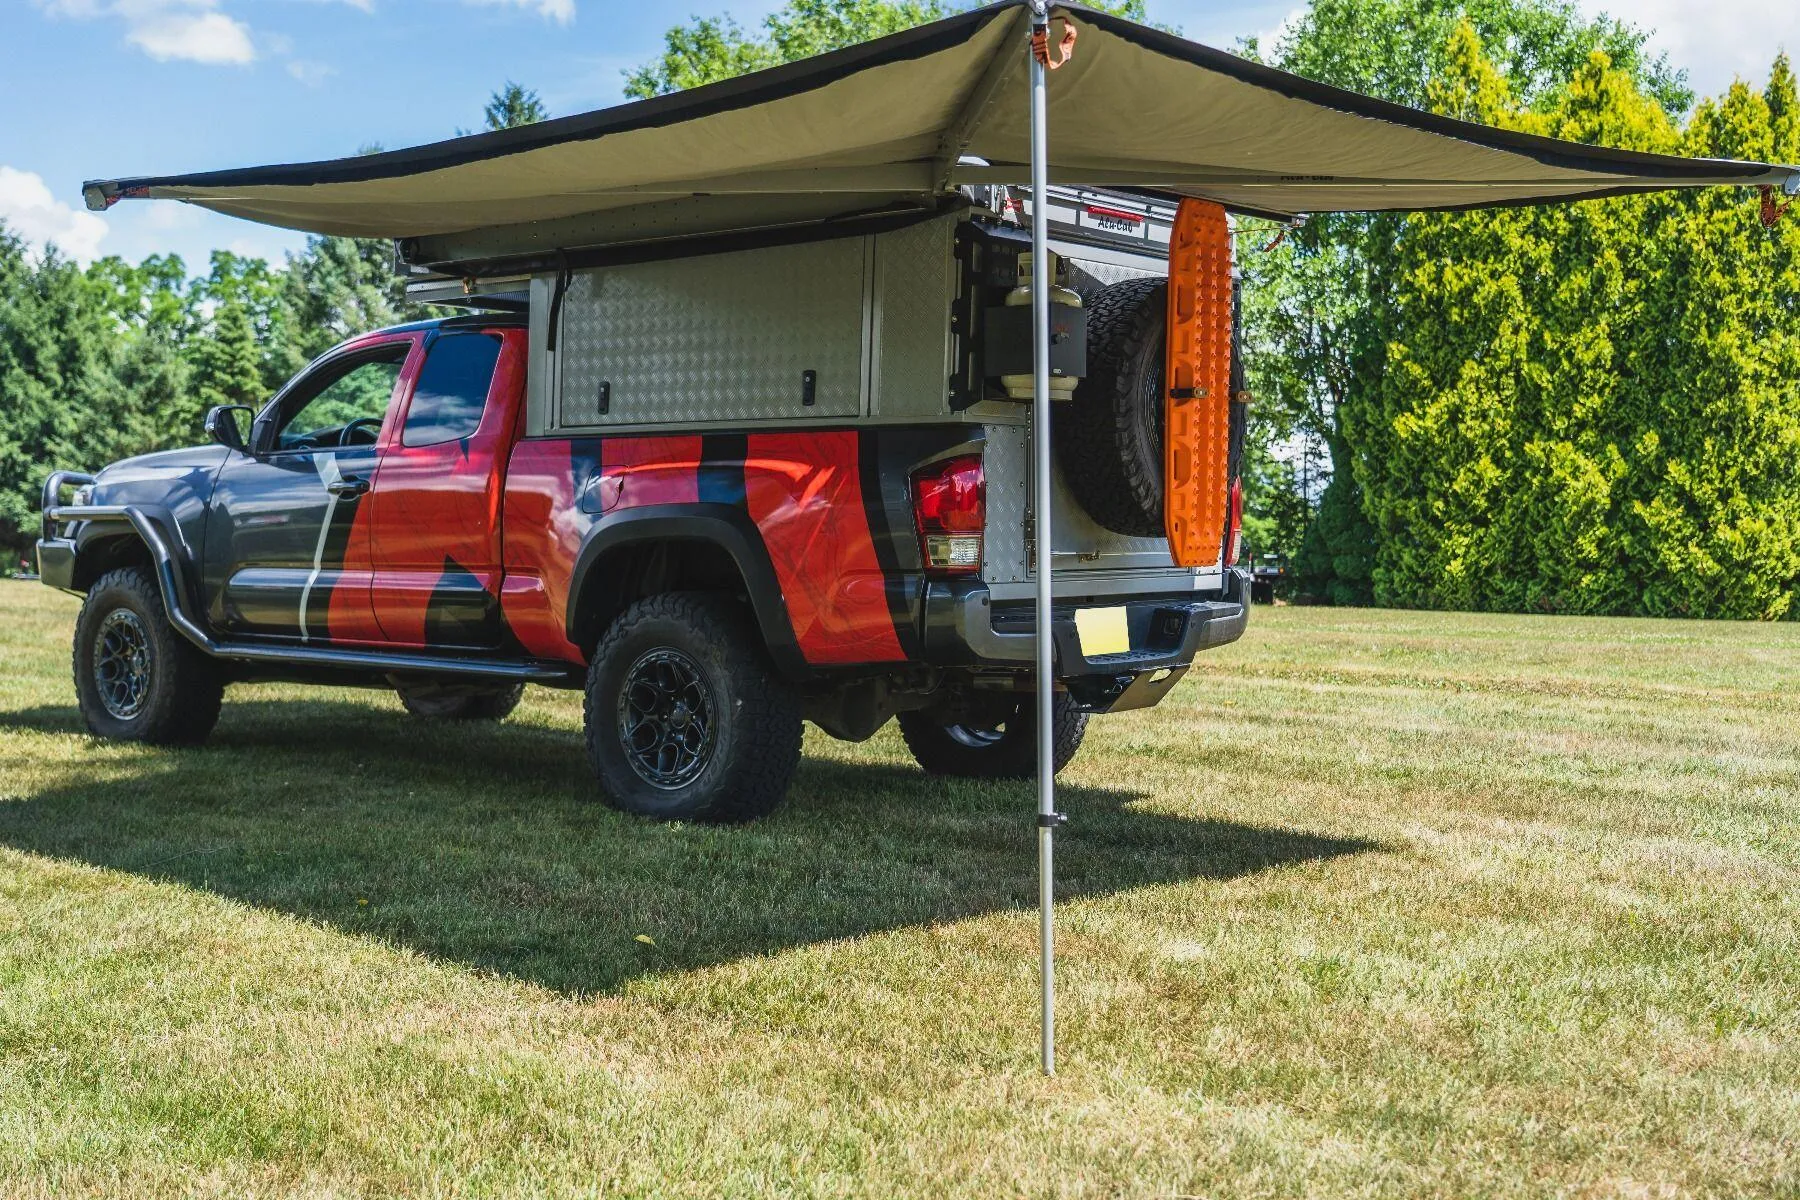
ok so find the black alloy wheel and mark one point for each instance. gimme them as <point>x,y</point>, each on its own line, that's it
<point>122,664</point>
<point>667,717</point>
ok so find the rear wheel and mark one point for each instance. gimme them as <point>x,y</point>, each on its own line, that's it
<point>461,703</point>
<point>686,716</point>
<point>136,679</point>
<point>1000,745</point>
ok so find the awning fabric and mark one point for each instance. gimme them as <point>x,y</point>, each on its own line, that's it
<point>895,122</point>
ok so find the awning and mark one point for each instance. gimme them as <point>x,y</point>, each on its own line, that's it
<point>896,122</point>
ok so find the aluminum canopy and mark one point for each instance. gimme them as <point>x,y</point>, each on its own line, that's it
<point>893,122</point>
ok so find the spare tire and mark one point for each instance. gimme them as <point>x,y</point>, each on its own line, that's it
<point>1109,438</point>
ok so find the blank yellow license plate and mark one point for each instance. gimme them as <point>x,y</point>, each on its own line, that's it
<point>1103,631</point>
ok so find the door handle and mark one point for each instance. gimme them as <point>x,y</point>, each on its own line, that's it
<point>348,487</point>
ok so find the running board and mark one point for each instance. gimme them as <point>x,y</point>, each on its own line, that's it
<point>168,577</point>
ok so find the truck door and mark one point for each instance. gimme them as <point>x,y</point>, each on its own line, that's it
<point>436,503</point>
<point>286,542</point>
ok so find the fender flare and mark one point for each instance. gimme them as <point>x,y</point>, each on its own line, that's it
<point>723,525</point>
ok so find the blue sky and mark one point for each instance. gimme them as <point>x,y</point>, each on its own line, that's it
<point>122,87</point>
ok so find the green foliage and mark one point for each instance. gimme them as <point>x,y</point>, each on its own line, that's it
<point>708,49</point>
<point>1593,408</point>
<point>227,365</point>
<point>1315,305</point>
<point>513,106</point>
<point>59,333</point>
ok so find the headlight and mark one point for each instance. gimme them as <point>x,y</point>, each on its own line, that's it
<point>83,494</point>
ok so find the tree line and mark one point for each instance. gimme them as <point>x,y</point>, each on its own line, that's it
<point>1587,408</point>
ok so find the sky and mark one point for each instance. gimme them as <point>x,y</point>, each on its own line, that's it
<point>113,88</point>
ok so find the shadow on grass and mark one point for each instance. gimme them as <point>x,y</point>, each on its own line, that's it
<point>486,844</point>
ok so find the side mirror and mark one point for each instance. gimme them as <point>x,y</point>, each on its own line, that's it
<point>222,426</point>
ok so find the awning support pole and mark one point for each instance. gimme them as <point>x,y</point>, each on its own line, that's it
<point>1040,445</point>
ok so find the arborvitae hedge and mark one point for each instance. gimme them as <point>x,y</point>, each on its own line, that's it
<point>1594,408</point>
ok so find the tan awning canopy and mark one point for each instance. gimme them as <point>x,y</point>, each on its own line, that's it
<point>901,121</point>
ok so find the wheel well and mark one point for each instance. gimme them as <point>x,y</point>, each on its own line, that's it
<point>626,574</point>
<point>101,555</point>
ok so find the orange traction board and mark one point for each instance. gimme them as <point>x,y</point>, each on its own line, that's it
<point>1197,409</point>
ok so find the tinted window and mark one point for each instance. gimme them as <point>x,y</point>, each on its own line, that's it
<point>452,389</point>
<point>348,408</point>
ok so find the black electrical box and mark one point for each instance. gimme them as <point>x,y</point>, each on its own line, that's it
<point>1006,340</point>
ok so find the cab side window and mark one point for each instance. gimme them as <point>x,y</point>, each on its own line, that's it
<point>345,405</point>
<point>452,390</point>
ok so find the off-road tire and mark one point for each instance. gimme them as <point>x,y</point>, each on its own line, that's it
<point>755,716</point>
<point>1109,438</point>
<point>1007,752</point>
<point>181,690</point>
<point>487,704</point>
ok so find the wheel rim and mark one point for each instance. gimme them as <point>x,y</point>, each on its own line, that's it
<point>667,719</point>
<point>122,664</point>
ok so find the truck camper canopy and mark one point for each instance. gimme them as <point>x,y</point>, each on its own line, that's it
<point>902,122</point>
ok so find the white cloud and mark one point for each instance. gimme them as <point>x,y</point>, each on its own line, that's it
<point>311,73</point>
<point>560,11</point>
<point>169,30</point>
<point>1716,41</point>
<point>211,37</point>
<point>30,211</point>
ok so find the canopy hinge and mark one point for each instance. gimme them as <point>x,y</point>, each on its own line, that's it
<point>1052,820</point>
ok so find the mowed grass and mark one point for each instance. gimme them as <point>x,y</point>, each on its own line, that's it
<point>1377,904</point>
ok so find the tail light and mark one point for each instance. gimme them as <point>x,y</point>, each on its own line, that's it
<point>950,508</point>
<point>1234,538</point>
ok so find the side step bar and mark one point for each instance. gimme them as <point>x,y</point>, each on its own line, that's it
<point>168,576</point>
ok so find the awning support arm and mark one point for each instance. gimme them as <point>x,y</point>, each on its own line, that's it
<point>963,127</point>
<point>1040,446</point>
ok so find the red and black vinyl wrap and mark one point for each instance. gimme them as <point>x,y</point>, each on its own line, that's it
<point>828,512</point>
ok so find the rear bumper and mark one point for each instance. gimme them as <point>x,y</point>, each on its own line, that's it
<point>963,626</point>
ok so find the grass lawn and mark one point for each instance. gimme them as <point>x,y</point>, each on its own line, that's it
<point>1377,904</point>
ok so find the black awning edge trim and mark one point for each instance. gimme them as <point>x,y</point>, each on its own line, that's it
<point>1548,151</point>
<point>774,83</point>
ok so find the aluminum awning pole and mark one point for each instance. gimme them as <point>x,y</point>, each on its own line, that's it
<point>1040,507</point>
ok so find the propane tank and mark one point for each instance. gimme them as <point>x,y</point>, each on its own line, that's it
<point>1062,387</point>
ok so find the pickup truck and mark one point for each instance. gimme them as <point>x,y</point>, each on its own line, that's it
<point>396,516</point>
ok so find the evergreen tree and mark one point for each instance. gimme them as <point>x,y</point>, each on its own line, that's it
<point>513,106</point>
<point>1315,305</point>
<point>1593,408</point>
<point>227,365</point>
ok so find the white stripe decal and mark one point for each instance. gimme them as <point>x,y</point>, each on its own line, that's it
<point>326,465</point>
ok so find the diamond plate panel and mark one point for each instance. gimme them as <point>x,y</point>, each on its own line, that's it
<point>915,277</point>
<point>1082,546</point>
<point>716,338</point>
<point>1089,278</point>
<point>1006,464</point>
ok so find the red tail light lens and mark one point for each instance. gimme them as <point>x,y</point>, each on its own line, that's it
<point>1235,541</point>
<point>950,508</point>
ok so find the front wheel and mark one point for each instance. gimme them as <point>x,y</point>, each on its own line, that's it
<point>686,717</point>
<point>136,679</point>
<point>999,746</point>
